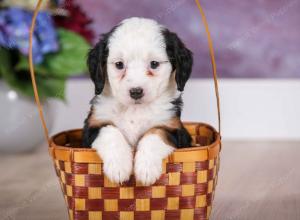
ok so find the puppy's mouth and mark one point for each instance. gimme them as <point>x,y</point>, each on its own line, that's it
<point>138,102</point>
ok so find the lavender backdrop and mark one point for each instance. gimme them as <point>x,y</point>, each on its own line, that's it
<point>258,38</point>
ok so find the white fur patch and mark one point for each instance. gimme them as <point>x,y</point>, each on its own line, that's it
<point>148,159</point>
<point>134,120</point>
<point>137,42</point>
<point>116,154</point>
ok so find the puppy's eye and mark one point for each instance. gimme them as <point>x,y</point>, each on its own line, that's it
<point>119,65</point>
<point>154,64</point>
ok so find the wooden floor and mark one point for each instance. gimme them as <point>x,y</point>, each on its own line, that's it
<point>258,181</point>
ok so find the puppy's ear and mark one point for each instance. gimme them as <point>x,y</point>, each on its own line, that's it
<point>97,59</point>
<point>180,57</point>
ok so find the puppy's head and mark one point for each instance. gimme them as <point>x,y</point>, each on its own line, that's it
<point>139,60</point>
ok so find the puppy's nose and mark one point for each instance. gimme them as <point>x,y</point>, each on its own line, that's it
<point>136,93</point>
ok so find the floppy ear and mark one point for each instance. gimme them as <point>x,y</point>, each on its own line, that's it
<point>97,58</point>
<point>180,57</point>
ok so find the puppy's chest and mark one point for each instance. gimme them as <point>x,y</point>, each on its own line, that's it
<point>133,121</point>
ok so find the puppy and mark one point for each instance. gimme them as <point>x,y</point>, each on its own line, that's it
<point>139,69</point>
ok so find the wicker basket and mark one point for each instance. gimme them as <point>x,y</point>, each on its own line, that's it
<point>184,191</point>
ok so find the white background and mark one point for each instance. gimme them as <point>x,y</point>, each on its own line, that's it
<point>251,109</point>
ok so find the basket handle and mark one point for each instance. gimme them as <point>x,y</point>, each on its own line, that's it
<point>35,90</point>
<point>31,68</point>
<point>213,63</point>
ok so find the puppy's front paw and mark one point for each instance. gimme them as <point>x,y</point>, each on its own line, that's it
<point>116,154</point>
<point>118,169</point>
<point>148,159</point>
<point>147,170</point>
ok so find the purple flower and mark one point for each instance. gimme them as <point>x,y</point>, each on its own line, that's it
<point>14,32</point>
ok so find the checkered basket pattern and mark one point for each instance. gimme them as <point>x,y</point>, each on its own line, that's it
<point>184,191</point>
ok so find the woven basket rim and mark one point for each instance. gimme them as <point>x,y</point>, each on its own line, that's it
<point>183,154</point>
<point>190,148</point>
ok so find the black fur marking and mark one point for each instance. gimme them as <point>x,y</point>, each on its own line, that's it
<point>178,104</point>
<point>97,60</point>
<point>90,133</point>
<point>180,57</point>
<point>179,137</point>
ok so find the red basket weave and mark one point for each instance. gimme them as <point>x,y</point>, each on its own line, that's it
<point>184,191</point>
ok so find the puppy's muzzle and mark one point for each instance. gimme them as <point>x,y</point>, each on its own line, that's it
<point>136,93</point>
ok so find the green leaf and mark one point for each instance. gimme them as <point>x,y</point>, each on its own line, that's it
<point>23,65</point>
<point>47,86</point>
<point>70,60</point>
<point>51,87</point>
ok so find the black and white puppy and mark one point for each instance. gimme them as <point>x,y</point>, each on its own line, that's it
<point>139,69</point>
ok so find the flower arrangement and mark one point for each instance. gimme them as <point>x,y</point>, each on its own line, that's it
<point>61,40</point>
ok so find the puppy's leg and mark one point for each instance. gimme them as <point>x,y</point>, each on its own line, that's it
<point>115,152</point>
<point>151,150</point>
